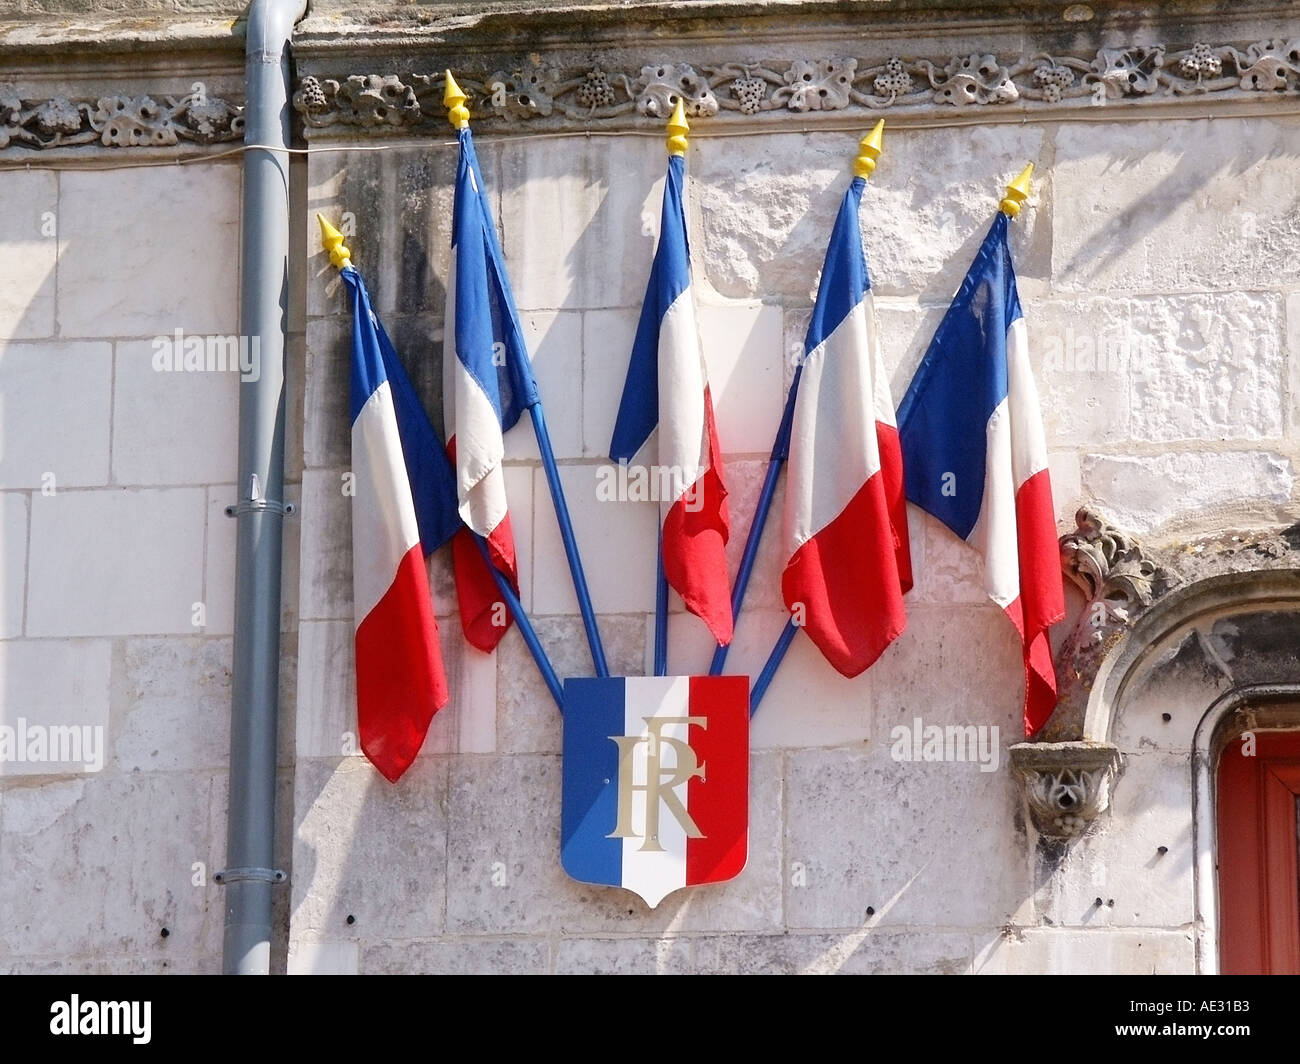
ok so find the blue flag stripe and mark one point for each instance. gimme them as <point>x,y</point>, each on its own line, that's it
<point>670,276</point>
<point>593,711</point>
<point>374,360</point>
<point>943,418</point>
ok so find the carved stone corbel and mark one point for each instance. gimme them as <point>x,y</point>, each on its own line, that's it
<point>1065,785</point>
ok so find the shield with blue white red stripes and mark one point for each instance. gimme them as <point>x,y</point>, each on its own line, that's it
<point>656,781</point>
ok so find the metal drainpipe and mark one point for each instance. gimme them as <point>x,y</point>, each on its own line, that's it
<point>264,306</point>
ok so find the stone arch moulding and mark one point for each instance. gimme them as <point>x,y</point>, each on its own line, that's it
<point>1178,650</point>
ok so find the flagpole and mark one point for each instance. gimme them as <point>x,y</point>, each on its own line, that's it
<point>773,663</point>
<point>869,149</point>
<point>458,115</point>
<point>526,629</point>
<point>661,612</point>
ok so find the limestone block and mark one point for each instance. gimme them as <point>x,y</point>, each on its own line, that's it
<point>1293,364</point>
<point>369,849</point>
<point>115,562</point>
<point>607,337</point>
<point>529,719</point>
<point>1141,492</point>
<point>742,347</point>
<point>55,706</point>
<point>13,560</point>
<point>219,564</point>
<point>32,235</point>
<point>189,283</point>
<point>918,843</point>
<point>1049,951</point>
<point>173,427</point>
<point>504,873</point>
<point>327,415</point>
<point>64,841</point>
<point>1212,367</point>
<point>57,436</point>
<point>617,540</point>
<point>670,955</point>
<point>950,571</point>
<point>1120,864</point>
<point>456,956</point>
<point>1083,353</point>
<point>868,951</point>
<point>323,958</point>
<point>171,705</point>
<point>579,219</point>
<point>905,330</point>
<point>1134,209</point>
<point>325,588</point>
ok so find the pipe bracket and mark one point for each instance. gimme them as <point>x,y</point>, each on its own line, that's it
<point>249,875</point>
<point>248,506</point>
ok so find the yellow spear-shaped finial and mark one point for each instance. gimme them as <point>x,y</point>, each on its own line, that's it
<point>1017,193</point>
<point>677,130</point>
<point>340,256</point>
<point>454,100</point>
<point>869,151</point>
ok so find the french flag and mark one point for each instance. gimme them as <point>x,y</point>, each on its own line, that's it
<point>667,387</point>
<point>975,457</point>
<point>487,384</point>
<point>845,511</point>
<point>399,514</point>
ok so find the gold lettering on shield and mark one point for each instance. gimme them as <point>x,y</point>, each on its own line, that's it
<point>658,790</point>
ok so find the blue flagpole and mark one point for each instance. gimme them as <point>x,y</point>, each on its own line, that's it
<point>661,611</point>
<point>570,542</point>
<point>774,660</point>
<point>516,607</point>
<point>780,452</point>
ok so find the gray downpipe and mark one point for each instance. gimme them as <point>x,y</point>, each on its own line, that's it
<point>264,306</point>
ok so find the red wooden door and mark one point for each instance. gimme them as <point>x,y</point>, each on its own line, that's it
<point>1259,874</point>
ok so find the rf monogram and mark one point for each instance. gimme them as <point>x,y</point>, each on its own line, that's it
<point>660,779</point>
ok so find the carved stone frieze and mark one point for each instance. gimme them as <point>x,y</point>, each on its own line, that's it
<point>117,121</point>
<point>1067,785</point>
<point>1034,81</point>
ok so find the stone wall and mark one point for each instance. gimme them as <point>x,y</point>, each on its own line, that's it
<point>1164,313</point>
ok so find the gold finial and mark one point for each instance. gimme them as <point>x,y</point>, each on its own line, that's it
<point>1017,193</point>
<point>340,256</point>
<point>454,100</point>
<point>677,130</point>
<point>869,151</point>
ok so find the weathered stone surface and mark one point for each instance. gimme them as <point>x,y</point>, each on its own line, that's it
<point>457,956</point>
<point>580,219</point>
<point>174,284</point>
<point>947,570</point>
<point>323,958</point>
<point>134,558</point>
<point>327,441</point>
<point>508,878</point>
<point>171,705</point>
<point>867,951</point>
<point>1181,679</point>
<point>13,559</point>
<point>905,331</point>
<point>1083,352</point>
<point>1143,492</point>
<point>58,435</point>
<point>156,437</point>
<point>742,347</point>
<point>908,840</point>
<point>617,540</point>
<point>1121,863</point>
<point>529,720</point>
<point>1293,364</point>
<point>31,249</point>
<point>369,849</point>
<point>63,842</point>
<point>1212,367</point>
<point>1048,951</point>
<point>47,685</point>
<point>625,956</point>
<point>1134,210</point>
<point>607,337</point>
<point>325,588</point>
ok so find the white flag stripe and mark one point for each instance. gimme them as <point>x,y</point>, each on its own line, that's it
<point>383,517</point>
<point>884,399</point>
<point>834,450</point>
<point>683,446</point>
<point>654,874</point>
<point>994,534</point>
<point>1028,446</point>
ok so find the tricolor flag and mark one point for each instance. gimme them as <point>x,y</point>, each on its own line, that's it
<point>975,457</point>
<point>845,511</point>
<point>656,781</point>
<point>667,386</point>
<point>487,384</point>
<point>402,509</point>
